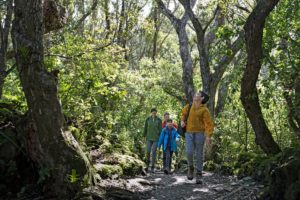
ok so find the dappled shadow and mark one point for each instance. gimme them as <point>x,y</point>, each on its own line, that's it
<point>177,186</point>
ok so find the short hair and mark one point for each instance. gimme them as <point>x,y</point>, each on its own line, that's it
<point>169,120</point>
<point>206,97</point>
<point>153,110</point>
<point>166,113</point>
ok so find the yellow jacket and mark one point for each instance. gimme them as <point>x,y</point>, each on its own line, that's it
<point>199,120</point>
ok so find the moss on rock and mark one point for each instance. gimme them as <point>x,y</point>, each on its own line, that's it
<point>130,165</point>
<point>107,171</point>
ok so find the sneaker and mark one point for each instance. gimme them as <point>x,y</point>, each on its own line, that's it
<point>199,178</point>
<point>190,174</point>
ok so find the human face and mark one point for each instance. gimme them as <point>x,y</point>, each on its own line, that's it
<point>197,100</point>
<point>154,114</point>
<point>166,117</point>
<point>170,125</point>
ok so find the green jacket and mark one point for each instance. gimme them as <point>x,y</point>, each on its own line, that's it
<point>152,128</point>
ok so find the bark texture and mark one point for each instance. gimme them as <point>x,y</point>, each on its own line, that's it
<point>211,80</point>
<point>185,54</point>
<point>253,34</point>
<point>55,16</point>
<point>48,144</point>
<point>4,33</point>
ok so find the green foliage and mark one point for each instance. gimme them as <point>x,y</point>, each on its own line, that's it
<point>13,93</point>
<point>282,175</point>
<point>247,164</point>
<point>107,171</point>
<point>73,177</point>
<point>108,82</point>
<point>281,45</point>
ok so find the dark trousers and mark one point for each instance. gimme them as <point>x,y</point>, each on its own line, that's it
<point>167,158</point>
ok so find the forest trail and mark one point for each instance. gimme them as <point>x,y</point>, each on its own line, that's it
<point>176,186</point>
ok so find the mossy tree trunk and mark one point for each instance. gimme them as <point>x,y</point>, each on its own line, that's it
<point>46,140</point>
<point>253,34</point>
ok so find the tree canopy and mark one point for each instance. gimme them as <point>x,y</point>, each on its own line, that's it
<point>80,77</point>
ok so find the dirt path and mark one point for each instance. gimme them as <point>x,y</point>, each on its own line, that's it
<point>176,186</point>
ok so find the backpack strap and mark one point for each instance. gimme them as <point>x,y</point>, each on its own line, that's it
<point>187,116</point>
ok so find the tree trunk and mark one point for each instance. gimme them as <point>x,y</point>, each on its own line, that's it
<point>46,139</point>
<point>81,9</point>
<point>155,37</point>
<point>187,65</point>
<point>222,96</point>
<point>4,32</point>
<point>120,33</point>
<point>185,54</point>
<point>210,80</point>
<point>107,18</point>
<point>54,18</point>
<point>80,24</point>
<point>249,96</point>
<point>246,132</point>
<point>54,15</point>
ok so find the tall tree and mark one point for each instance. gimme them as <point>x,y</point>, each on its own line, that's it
<point>253,34</point>
<point>156,31</point>
<point>49,145</point>
<point>205,39</point>
<point>4,33</point>
<point>187,65</point>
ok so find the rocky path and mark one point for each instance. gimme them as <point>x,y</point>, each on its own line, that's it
<point>176,186</point>
<point>158,186</point>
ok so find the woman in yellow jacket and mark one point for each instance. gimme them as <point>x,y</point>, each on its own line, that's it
<point>199,129</point>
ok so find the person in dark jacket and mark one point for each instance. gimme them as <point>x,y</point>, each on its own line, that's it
<point>152,129</point>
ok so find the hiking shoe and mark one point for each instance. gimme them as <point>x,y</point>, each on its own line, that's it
<point>199,178</point>
<point>190,174</point>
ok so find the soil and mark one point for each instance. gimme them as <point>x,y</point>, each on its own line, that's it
<point>176,186</point>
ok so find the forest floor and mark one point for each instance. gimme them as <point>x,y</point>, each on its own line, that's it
<point>176,186</point>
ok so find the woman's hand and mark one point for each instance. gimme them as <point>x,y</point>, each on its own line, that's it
<point>182,124</point>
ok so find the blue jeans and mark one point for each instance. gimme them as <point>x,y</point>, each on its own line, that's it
<point>167,158</point>
<point>194,143</point>
<point>151,147</point>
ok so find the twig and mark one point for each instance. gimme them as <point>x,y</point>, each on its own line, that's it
<point>82,53</point>
<point>93,7</point>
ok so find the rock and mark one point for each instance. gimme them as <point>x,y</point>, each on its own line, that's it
<point>107,171</point>
<point>130,165</point>
<point>228,189</point>
<point>218,189</point>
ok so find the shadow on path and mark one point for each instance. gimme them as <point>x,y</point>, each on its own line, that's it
<point>176,186</point>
